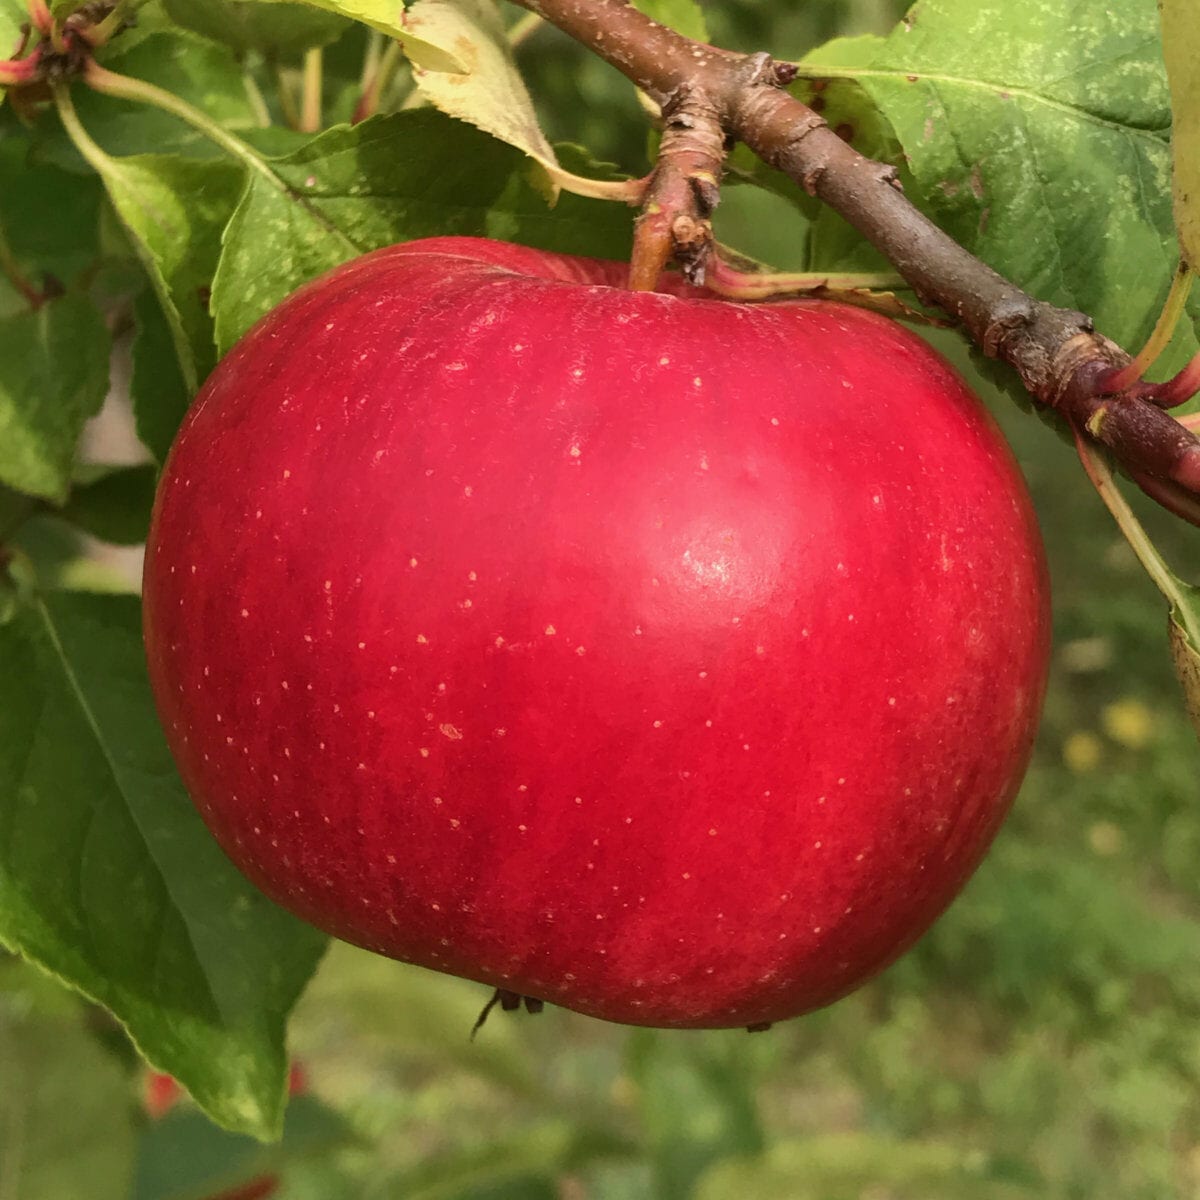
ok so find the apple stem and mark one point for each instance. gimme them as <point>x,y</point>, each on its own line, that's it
<point>1060,358</point>
<point>683,190</point>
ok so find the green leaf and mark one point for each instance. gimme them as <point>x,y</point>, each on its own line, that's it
<point>390,179</point>
<point>249,26</point>
<point>697,1103</point>
<point>66,1127</point>
<point>159,392</point>
<point>108,878</point>
<point>684,16</point>
<point>51,219</point>
<point>1185,653</point>
<point>183,1156</point>
<point>1181,49</point>
<point>835,1166</point>
<point>175,209</point>
<point>113,504</point>
<point>1037,139</point>
<point>53,377</point>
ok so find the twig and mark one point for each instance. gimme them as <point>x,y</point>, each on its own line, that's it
<point>310,108</point>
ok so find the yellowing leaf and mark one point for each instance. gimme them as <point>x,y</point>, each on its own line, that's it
<point>1181,50</point>
<point>487,90</point>
<point>388,17</point>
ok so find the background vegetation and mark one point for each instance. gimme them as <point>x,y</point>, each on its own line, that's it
<point>1042,1041</point>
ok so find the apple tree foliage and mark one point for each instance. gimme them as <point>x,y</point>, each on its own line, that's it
<point>144,226</point>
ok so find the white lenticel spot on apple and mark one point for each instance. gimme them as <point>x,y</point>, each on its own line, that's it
<point>466,603</point>
<point>858,858</point>
<point>550,631</point>
<point>454,822</point>
<point>665,361</point>
<point>575,451</point>
<point>451,731</point>
<point>437,800</point>
<point>708,724</point>
<point>578,799</point>
<point>468,491</point>
<point>522,787</point>
<point>423,752</point>
<point>657,724</point>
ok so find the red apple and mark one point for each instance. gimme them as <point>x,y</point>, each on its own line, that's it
<point>670,659</point>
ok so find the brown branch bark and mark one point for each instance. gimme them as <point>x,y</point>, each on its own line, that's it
<point>1062,361</point>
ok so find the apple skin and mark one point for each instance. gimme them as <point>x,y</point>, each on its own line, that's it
<point>669,659</point>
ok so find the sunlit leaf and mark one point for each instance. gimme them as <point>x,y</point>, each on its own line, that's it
<point>489,91</point>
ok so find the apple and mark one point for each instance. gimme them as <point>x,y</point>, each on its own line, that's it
<point>666,658</point>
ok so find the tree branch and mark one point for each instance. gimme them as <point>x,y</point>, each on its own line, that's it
<point>1062,361</point>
